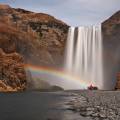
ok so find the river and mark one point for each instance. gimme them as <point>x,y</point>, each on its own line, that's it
<point>36,106</point>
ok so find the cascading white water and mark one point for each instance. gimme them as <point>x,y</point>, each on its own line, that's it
<point>70,49</point>
<point>83,56</point>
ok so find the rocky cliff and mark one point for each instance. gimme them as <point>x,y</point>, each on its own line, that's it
<point>12,73</point>
<point>111,45</point>
<point>38,37</point>
<point>117,87</point>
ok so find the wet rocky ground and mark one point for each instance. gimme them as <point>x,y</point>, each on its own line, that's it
<point>95,105</point>
<point>63,105</point>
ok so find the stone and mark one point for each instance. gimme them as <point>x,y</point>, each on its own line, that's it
<point>12,72</point>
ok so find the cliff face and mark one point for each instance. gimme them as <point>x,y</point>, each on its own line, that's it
<point>117,87</point>
<point>111,45</point>
<point>40,38</point>
<point>12,73</point>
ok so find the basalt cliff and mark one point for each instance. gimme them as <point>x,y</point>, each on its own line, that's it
<point>36,38</point>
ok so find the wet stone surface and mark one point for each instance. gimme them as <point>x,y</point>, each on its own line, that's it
<point>95,105</point>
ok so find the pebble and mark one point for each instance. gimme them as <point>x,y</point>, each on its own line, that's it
<point>96,105</point>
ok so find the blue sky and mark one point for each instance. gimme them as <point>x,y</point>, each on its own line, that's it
<point>73,12</point>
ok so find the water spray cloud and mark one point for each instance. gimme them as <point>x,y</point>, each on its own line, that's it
<point>57,77</point>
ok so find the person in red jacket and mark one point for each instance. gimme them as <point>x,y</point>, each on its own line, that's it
<point>91,87</point>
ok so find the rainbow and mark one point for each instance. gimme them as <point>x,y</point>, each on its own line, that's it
<point>57,77</point>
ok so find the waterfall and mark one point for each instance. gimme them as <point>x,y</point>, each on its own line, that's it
<point>83,57</point>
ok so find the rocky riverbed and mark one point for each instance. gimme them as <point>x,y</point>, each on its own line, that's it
<point>95,105</point>
<point>63,105</point>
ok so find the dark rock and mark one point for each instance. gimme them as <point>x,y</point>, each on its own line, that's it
<point>56,88</point>
<point>111,45</point>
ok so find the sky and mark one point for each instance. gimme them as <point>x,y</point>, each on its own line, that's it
<point>72,12</point>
